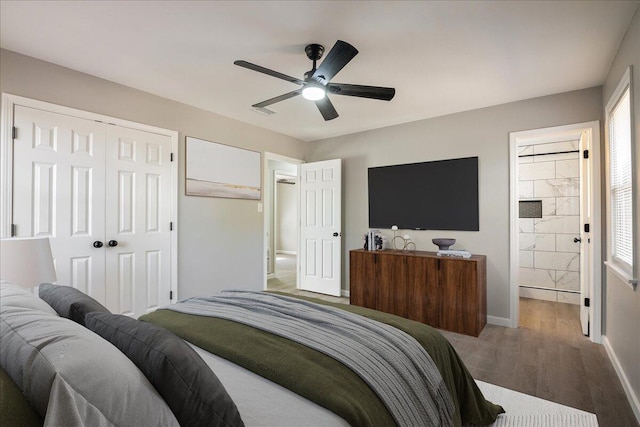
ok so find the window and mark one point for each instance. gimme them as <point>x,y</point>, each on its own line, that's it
<point>618,114</point>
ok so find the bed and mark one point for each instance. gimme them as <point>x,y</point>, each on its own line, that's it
<point>175,365</point>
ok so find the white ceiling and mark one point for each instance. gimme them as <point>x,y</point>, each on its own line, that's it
<point>442,57</point>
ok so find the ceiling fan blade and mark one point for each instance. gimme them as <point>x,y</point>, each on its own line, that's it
<point>268,72</point>
<point>277,99</point>
<point>373,92</point>
<point>339,56</point>
<point>326,109</point>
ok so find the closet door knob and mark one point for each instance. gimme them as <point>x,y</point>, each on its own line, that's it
<point>577,239</point>
<point>97,244</point>
<point>113,243</point>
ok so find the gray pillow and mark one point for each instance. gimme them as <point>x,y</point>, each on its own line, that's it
<point>71,376</point>
<point>15,296</point>
<point>69,302</point>
<point>190,388</point>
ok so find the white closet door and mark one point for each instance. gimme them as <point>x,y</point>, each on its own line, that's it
<point>138,210</point>
<point>58,192</point>
<point>79,182</point>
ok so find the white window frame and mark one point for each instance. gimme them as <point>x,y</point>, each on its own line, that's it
<point>626,271</point>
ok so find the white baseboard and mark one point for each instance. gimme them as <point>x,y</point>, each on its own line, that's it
<point>499,321</point>
<point>626,385</point>
<point>345,293</point>
<point>286,252</point>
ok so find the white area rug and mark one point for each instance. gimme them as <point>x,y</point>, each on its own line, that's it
<point>523,410</point>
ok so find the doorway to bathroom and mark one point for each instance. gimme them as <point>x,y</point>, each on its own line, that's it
<point>555,224</point>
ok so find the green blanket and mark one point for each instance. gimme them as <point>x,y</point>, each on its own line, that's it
<point>320,378</point>
<point>15,409</point>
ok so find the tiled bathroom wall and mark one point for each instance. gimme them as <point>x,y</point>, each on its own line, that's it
<point>549,258</point>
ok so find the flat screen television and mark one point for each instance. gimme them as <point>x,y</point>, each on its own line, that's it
<point>439,195</point>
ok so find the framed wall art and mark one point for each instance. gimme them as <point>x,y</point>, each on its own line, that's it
<point>218,170</point>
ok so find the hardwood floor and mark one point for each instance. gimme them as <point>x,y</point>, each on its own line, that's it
<point>548,357</point>
<point>285,280</point>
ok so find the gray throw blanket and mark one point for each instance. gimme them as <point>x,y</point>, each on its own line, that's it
<point>390,361</point>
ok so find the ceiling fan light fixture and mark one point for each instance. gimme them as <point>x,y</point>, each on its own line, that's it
<point>313,93</point>
<point>317,81</point>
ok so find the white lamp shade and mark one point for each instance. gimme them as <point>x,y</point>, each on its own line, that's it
<point>26,262</point>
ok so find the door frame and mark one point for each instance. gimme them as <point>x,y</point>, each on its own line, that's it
<point>595,269</point>
<point>9,101</point>
<point>269,217</point>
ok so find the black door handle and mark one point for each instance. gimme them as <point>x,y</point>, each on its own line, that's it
<point>336,234</point>
<point>113,243</point>
<point>577,239</point>
<point>97,244</point>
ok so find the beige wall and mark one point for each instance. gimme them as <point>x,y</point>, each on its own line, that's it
<point>220,241</point>
<point>483,133</point>
<point>622,304</point>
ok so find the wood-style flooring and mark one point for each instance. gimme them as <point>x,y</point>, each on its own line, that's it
<point>547,356</point>
<point>284,280</point>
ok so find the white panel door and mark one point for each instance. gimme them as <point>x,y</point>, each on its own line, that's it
<point>58,192</point>
<point>321,226</point>
<point>138,240</point>
<point>586,248</point>
<point>102,194</point>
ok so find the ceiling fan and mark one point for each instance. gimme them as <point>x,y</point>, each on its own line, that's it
<point>316,84</point>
